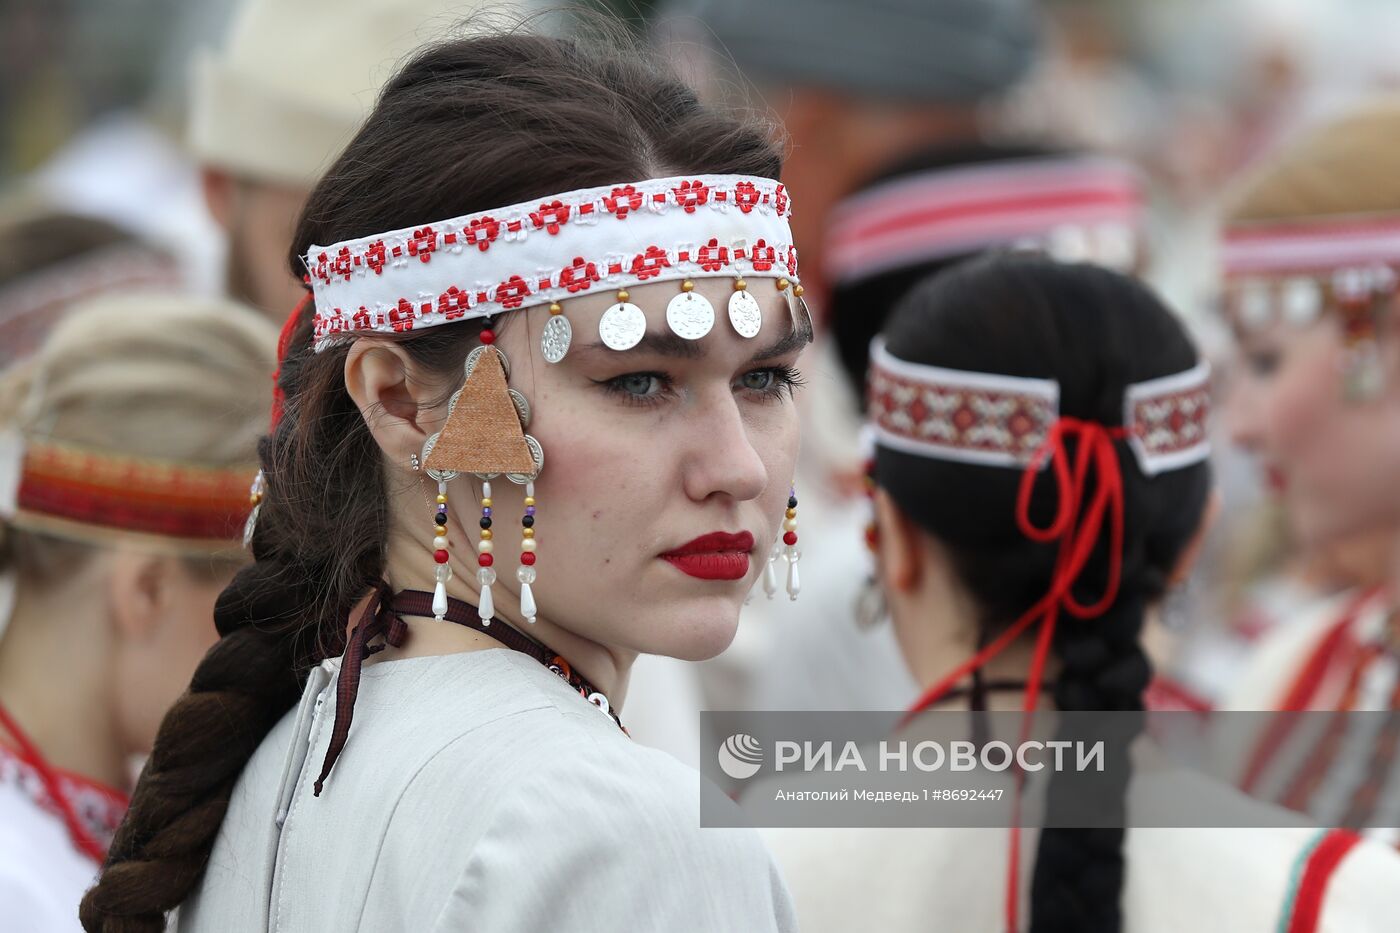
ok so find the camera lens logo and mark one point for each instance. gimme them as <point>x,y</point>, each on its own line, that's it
<point>740,756</point>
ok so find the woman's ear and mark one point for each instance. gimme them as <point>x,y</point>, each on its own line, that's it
<point>900,548</point>
<point>396,404</point>
<point>1186,562</point>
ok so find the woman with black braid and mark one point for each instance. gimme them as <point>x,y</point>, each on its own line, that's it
<point>1040,480</point>
<point>410,723</point>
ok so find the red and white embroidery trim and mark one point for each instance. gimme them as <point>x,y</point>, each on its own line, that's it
<point>100,809</point>
<point>996,420</point>
<point>558,247</point>
<point>1074,209</point>
<point>1311,248</point>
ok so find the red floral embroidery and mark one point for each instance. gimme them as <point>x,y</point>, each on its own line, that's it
<point>512,292</point>
<point>623,200</point>
<point>579,276</point>
<point>343,264</point>
<point>482,232</point>
<point>453,303</point>
<point>692,194</point>
<point>763,256</point>
<point>746,195</point>
<point>375,256</point>
<point>780,200</point>
<point>362,319</point>
<point>322,263</point>
<point>648,265</point>
<point>792,260</point>
<point>712,257</point>
<point>422,243</point>
<point>551,216</point>
<point>401,316</point>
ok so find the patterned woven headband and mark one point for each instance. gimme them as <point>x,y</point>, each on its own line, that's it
<point>1292,272</point>
<point>563,246</point>
<point>997,420</point>
<point>1072,208</point>
<point>79,493</point>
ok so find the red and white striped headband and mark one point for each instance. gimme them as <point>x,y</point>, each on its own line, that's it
<point>998,420</point>
<point>548,250</point>
<point>1072,208</point>
<point>1318,247</point>
<point>1294,271</point>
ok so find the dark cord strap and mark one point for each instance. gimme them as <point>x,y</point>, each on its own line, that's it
<point>383,616</point>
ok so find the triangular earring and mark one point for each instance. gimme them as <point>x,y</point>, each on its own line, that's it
<point>483,433</point>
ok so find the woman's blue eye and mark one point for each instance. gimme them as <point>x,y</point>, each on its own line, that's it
<point>640,385</point>
<point>760,380</point>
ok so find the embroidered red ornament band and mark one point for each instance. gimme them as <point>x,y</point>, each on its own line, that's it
<point>69,489</point>
<point>548,250</point>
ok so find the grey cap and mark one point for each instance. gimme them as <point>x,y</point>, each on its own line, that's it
<point>937,51</point>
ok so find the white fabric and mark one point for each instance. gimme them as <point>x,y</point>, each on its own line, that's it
<point>42,876</point>
<point>536,252</point>
<point>477,792</point>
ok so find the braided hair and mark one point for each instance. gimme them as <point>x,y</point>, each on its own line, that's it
<point>1094,332</point>
<point>466,125</point>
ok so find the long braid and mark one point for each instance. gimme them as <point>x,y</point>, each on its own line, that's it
<point>1079,872</point>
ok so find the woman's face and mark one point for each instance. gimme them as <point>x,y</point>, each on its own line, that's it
<point>1332,460</point>
<point>673,446</point>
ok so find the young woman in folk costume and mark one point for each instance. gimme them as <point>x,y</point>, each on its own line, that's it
<point>526,236</point>
<point>1040,480</point>
<point>1311,251</point>
<point>128,444</point>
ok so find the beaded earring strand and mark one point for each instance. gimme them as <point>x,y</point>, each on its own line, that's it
<point>525,573</point>
<point>793,555</point>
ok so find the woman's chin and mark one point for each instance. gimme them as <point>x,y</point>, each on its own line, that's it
<point>695,630</point>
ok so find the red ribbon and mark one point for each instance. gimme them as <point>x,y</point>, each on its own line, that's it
<point>284,343</point>
<point>1078,522</point>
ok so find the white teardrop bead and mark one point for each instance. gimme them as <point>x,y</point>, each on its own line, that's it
<point>440,600</point>
<point>527,602</point>
<point>794,582</point>
<point>770,579</point>
<point>488,606</point>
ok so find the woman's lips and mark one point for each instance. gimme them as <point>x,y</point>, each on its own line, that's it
<point>715,556</point>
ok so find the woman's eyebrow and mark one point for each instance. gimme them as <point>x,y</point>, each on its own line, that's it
<point>794,339</point>
<point>661,343</point>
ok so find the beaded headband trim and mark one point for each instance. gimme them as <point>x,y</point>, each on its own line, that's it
<point>997,420</point>
<point>73,491</point>
<point>1293,272</point>
<point>1072,208</point>
<point>561,246</point>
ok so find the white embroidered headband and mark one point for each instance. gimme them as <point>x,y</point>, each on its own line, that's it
<point>997,420</point>
<point>1293,271</point>
<point>1075,209</point>
<point>561,246</point>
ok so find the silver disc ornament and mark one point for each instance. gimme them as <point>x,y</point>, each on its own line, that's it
<point>690,315</point>
<point>622,326</point>
<point>558,335</point>
<point>744,314</point>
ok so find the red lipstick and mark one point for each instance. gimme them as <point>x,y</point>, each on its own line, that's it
<point>715,556</point>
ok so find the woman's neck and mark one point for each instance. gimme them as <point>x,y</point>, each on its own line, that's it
<point>937,631</point>
<point>54,680</point>
<point>410,566</point>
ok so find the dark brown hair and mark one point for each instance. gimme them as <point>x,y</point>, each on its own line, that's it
<point>466,125</point>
